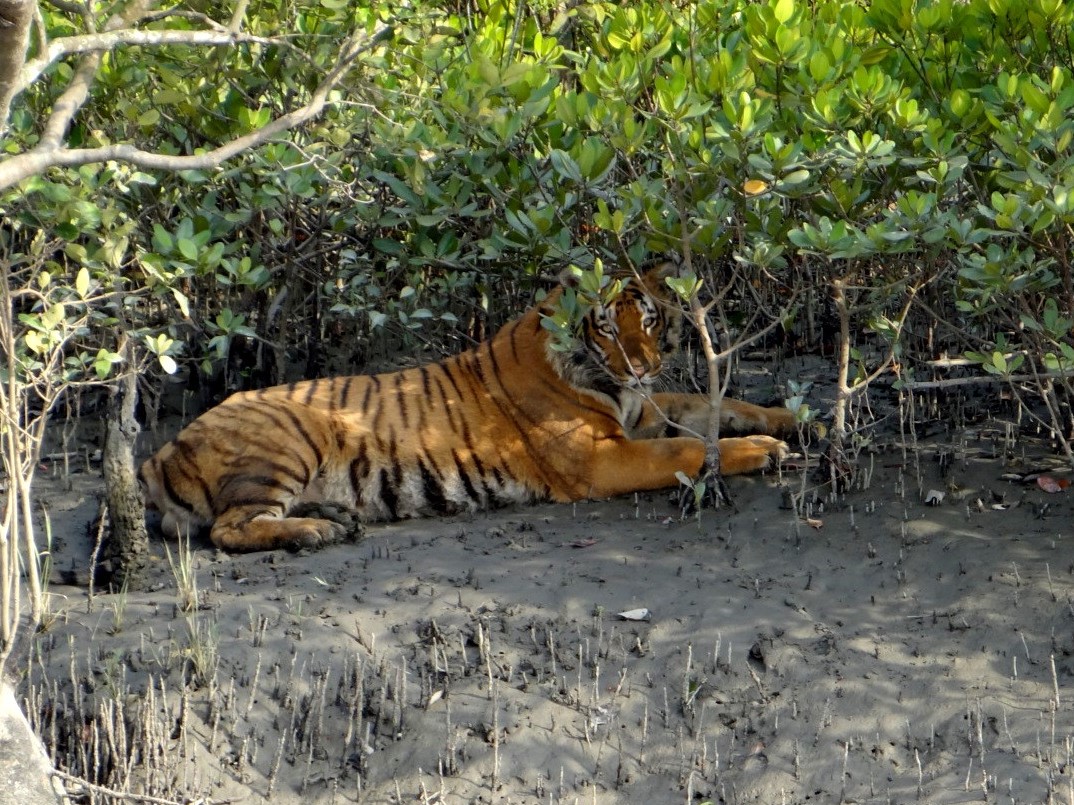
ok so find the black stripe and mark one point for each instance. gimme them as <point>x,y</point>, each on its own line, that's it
<point>270,414</point>
<point>259,508</point>
<point>514,346</point>
<point>479,465</point>
<point>342,400</point>
<point>426,386</point>
<point>172,493</point>
<point>359,472</point>
<point>311,392</point>
<point>388,495</point>
<point>301,428</point>
<point>303,478</point>
<point>393,457</point>
<point>400,399</point>
<point>445,406</point>
<point>368,395</point>
<point>495,495</point>
<point>246,501</point>
<point>606,385</point>
<point>447,367</point>
<point>464,476</point>
<point>265,481</point>
<point>376,427</point>
<point>188,454</point>
<point>474,364</point>
<point>433,490</point>
<point>468,441</point>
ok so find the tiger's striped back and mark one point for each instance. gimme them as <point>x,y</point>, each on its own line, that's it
<point>509,421</point>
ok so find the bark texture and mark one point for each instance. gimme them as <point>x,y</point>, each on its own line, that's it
<point>126,507</point>
<point>15,19</point>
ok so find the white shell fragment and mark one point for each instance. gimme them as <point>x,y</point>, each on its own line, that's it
<point>934,497</point>
<point>642,614</point>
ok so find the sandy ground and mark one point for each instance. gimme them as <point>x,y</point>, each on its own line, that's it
<point>884,651</point>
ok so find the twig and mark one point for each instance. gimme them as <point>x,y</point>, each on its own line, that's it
<point>102,513</point>
<point>109,792</point>
<point>921,385</point>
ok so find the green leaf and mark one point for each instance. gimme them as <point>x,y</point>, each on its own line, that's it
<point>188,248</point>
<point>104,362</point>
<point>565,166</point>
<point>82,281</point>
<point>386,246</point>
<point>53,316</point>
<point>162,240</point>
<point>182,301</point>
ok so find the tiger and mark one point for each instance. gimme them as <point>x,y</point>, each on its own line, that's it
<point>512,420</point>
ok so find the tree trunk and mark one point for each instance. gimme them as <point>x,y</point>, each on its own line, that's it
<point>126,508</point>
<point>15,19</point>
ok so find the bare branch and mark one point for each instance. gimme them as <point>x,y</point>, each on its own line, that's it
<point>979,380</point>
<point>44,156</point>
<point>68,104</point>
<point>238,16</point>
<point>91,43</point>
<point>74,9</point>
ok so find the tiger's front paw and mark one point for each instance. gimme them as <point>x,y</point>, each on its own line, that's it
<point>326,524</point>
<point>755,453</point>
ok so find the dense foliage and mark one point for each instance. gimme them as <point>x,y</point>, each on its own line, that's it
<point>910,160</point>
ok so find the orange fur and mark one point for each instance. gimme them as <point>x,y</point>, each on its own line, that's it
<point>511,420</point>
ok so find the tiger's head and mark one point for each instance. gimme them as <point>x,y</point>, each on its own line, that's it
<point>623,342</point>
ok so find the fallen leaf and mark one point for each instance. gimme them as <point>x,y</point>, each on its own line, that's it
<point>1050,484</point>
<point>813,522</point>
<point>582,543</point>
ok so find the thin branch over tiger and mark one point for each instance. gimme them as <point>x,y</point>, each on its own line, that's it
<point>512,420</point>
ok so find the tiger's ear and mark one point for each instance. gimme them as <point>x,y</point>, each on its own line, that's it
<point>655,274</point>
<point>670,266</point>
<point>570,277</point>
